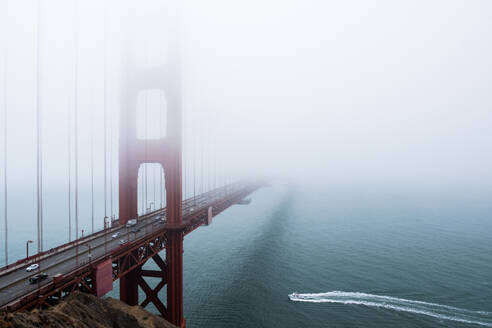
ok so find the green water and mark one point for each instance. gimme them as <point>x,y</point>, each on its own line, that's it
<point>386,257</point>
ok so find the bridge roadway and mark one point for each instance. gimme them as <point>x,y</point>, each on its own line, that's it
<point>15,283</point>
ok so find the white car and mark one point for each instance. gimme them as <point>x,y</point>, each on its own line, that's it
<point>115,235</point>
<point>123,241</point>
<point>32,267</point>
<point>131,223</point>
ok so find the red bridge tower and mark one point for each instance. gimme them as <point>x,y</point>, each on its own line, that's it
<point>166,151</point>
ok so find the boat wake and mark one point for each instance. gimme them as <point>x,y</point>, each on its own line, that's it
<point>439,311</point>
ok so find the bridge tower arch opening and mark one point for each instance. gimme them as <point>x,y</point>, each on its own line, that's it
<point>151,190</point>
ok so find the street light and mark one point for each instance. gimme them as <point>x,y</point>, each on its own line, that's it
<point>89,255</point>
<point>27,248</point>
<point>105,234</point>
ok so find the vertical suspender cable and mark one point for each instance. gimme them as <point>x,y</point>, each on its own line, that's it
<point>194,163</point>
<point>76,72</point>
<point>146,144</point>
<point>92,168</point>
<point>69,134</point>
<point>105,125</point>
<point>105,111</point>
<point>111,169</point>
<point>5,199</point>
<point>161,171</point>
<point>153,183</point>
<point>183,155</point>
<point>153,179</point>
<point>215,160</point>
<point>209,153</point>
<point>202,144</point>
<point>39,135</point>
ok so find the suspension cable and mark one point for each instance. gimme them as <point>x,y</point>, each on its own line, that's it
<point>92,168</point>
<point>183,155</point>
<point>194,162</point>
<point>76,72</point>
<point>153,182</point>
<point>5,198</point>
<point>161,171</point>
<point>105,110</point>
<point>202,144</point>
<point>209,157</point>
<point>215,160</point>
<point>39,164</point>
<point>111,168</point>
<point>69,133</point>
<point>146,109</point>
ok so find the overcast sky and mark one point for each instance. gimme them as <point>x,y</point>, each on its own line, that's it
<point>329,90</point>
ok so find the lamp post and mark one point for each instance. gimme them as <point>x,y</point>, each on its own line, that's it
<point>27,248</point>
<point>105,235</point>
<point>89,255</point>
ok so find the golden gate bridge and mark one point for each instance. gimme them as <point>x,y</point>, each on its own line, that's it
<point>150,138</point>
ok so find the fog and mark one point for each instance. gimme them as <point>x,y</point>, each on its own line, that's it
<point>347,91</point>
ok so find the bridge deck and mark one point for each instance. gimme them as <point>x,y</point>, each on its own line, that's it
<point>14,281</point>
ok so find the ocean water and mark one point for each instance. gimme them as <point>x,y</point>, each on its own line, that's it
<point>301,256</point>
<point>331,256</point>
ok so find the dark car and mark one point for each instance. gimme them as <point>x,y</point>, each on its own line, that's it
<point>135,230</point>
<point>38,277</point>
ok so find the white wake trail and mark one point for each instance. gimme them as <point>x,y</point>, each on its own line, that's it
<point>439,311</point>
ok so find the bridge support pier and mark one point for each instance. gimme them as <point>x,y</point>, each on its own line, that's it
<point>174,257</point>
<point>129,288</point>
<point>151,295</point>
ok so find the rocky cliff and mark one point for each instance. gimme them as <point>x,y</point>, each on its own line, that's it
<point>81,310</point>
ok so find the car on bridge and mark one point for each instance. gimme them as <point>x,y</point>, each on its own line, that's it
<point>38,277</point>
<point>131,223</point>
<point>123,241</point>
<point>115,235</point>
<point>32,267</point>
